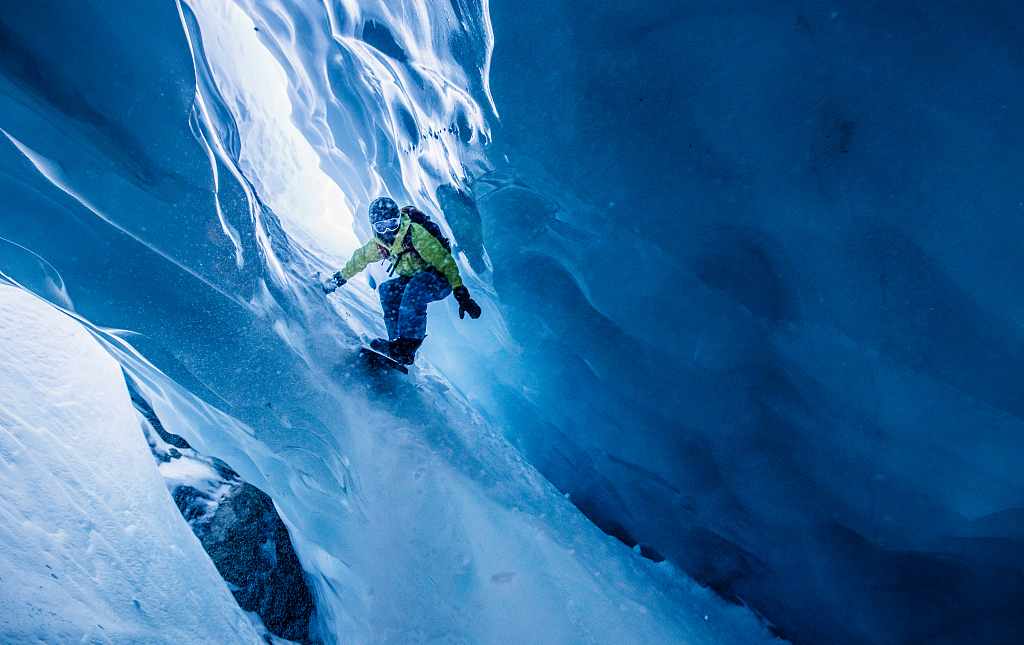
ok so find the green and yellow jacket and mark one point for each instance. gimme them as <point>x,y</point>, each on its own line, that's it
<point>420,252</point>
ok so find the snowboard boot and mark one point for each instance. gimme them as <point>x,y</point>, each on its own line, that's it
<point>381,345</point>
<point>403,350</point>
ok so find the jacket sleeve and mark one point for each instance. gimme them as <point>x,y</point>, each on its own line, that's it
<point>435,255</point>
<point>363,256</point>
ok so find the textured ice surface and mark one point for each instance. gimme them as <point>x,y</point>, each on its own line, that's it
<point>159,200</point>
<point>777,246</point>
<point>92,548</point>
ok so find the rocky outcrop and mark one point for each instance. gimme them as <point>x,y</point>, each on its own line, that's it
<point>240,529</point>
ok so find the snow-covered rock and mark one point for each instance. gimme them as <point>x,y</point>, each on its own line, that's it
<point>92,548</point>
<point>239,528</point>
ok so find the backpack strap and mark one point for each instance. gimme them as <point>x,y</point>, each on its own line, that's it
<point>387,252</point>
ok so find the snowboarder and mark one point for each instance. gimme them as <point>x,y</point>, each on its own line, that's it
<point>421,257</point>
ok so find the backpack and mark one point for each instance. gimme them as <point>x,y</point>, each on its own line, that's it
<point>418,217</point>
<point>421,218</point>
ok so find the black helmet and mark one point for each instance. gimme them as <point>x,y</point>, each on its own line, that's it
<point>385,218</point>
<point>383,208</point>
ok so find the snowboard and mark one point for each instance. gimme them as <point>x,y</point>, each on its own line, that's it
<point>378,360</point>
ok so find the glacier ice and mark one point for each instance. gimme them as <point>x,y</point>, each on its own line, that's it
<point>158,210</point>
<point>779,239</point>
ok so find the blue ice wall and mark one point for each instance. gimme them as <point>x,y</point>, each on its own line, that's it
<point>160,170</point>
<point>750,280</point>
<point>763,262</point>
<point>133,232</point>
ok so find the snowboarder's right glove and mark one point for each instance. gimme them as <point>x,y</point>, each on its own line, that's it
<point>466,304</point>
<point>333,282</point>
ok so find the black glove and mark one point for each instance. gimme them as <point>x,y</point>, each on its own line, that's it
<point>333,282</point>
<point>466,304</point>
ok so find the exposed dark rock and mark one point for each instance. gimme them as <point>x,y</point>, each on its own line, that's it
<point>250,546</point>
<point>240,529</point>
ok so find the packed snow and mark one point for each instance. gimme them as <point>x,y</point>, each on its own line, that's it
<point>92,549</point>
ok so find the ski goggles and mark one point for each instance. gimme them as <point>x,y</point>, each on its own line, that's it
<point>387,225</point>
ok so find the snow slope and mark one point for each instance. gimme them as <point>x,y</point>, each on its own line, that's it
<point>444,533</point>
<point>91,547</point>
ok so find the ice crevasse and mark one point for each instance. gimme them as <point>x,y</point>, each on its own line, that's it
<point>161,234</point>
